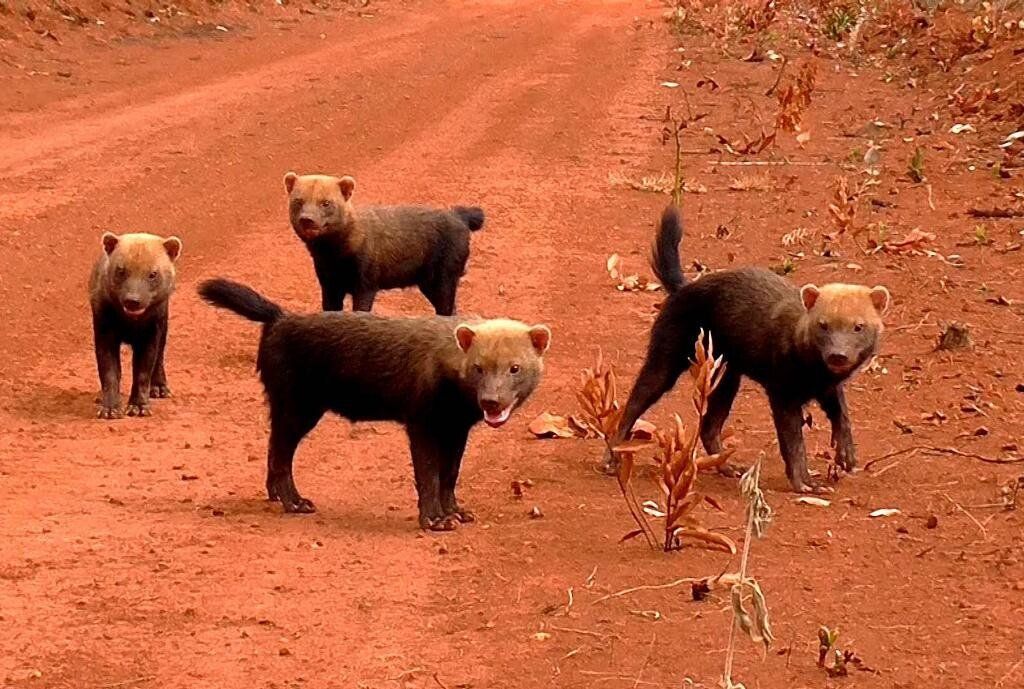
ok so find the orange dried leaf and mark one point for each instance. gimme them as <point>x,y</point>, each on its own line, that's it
<point>701,534</point>
<point>551,426</point>
<point>643,430</point>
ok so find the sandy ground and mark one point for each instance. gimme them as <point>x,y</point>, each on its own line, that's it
<point>142,553</point>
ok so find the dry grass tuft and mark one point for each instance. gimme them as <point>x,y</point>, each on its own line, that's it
<point>954,336</point>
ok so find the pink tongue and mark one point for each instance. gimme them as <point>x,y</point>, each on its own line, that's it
<point>499,418</point>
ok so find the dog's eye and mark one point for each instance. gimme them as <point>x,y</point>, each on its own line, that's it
<point>823,325</point>
<point>121,272</point>
<point>514,369</point>
<point>858,327</point>
<point>326,204</point>
<point>153,275</point>
<point>478,368</point>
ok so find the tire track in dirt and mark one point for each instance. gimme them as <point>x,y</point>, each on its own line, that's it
<point>172,560</point>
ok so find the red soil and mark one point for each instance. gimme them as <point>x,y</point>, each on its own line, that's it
<point>141,553</point>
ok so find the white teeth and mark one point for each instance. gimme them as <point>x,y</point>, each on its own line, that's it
<point>499,418</point>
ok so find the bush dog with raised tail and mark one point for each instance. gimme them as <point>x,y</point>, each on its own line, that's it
<point>129,291</point>
<point>437,376</point>
<point>360,251</point>
<point>798,344</point>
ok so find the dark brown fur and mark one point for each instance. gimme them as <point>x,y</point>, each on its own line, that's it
<point>799,344</point>
<point>129,291</point>
<point>359,252</point>
<point>436,376</point>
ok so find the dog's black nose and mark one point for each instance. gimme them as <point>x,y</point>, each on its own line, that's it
<point>492,406</point>
<point>838,360</point>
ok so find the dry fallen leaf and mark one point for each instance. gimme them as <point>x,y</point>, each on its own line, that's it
<point>643,430</point>
<point>551,426</point>
<point>884,512</point>
<point>628,283</point>
<point>817,502</point>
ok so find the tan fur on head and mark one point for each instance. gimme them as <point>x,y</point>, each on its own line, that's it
<point>502,362</point>
<point>844,303</point>
<point>323,203</point>
<point>143,249</point>
<point>503,339</point>
<point>320,186</point>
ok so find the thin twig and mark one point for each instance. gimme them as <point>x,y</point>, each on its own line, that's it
<point>778,80</point>
<point>582,632</point>
<point>1000,213</point>
<point>610,676</point>
<point>798,163</point>
<point>650,587</point>
<point>730,653</point>
<point>439,682</point>
<point>894,453</point>
<point>129,682</point>
<point>1008,674</point>
<point>405,673</point>
<point>972,455</point>
<point>984,531</point>
<point>946,451</point>
<point>647,660</point>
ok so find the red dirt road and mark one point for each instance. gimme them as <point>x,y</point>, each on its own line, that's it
<point>142,553</point>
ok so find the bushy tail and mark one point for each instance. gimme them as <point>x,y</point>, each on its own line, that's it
<point>243,300</point>
<point>665,252</point>
<point>471,215</point>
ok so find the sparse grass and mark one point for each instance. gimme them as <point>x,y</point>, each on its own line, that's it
<point>785,267</point>
<point>661,183</point>
<point>954,336</point>
<point>761,182</point>
<point>839,21</point>
<point>656,184</point>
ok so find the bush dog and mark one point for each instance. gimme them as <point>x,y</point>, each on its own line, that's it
<point>798,344</point>
<point>129,291</point>
<point>437,376</point>
<point>361,251</point>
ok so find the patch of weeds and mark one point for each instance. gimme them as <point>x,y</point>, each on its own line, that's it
<point>842,660</point>
<point>954,336</point>
<point>677,459</point>
<point>839,22</point>
<point>785,267</point>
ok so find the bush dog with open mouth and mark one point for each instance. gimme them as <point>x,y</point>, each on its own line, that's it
<point>798,344</point>
<point>437,376</point>
<point>360,251</point>
<point>129,291</point>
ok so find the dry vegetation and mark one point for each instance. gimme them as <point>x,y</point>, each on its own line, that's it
<point>970,54</point>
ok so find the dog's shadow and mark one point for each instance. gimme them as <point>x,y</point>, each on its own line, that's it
<point>52,403</point>
<point>328,520</point>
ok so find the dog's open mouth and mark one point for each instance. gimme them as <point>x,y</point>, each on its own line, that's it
<point>134,313</point>
<point>496,419</point>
